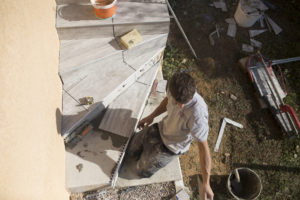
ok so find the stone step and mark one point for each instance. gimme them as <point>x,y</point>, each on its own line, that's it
<point>89,165</point>
<point>76,54</point>
<point>124,112</point>
<point>104,85</point>
<point>133,57</point>
<point>78,21</point>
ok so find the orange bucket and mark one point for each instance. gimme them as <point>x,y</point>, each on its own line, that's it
<point>104,9</point>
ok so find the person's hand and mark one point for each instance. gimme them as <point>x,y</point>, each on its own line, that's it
<point>145,122</point>
<point>206,192</point>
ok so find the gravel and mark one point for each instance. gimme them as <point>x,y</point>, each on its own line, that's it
<point>163,191</point>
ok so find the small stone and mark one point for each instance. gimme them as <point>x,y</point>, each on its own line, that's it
<point>227,154</point>
<point>222,92</point>
<point>295,155</point>
<point>286,190</point>
<point>184,61</point>
<point>297,149</point>
<point>79,167</point>
<point>264,163</point>
<point>234,98</point>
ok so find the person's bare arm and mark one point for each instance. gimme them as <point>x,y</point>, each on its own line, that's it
<point>205,164</point>
<point>145,122</point>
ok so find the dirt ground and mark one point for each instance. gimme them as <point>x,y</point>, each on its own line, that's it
<point>260,145</point>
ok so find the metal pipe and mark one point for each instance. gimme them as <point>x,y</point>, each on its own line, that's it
<point>287,60</point>
<point>282,61</point>
<point>181,29</point>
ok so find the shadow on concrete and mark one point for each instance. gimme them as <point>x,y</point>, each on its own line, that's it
<point>58,117</point>
<point>98,147</point>
<point>76,12</point>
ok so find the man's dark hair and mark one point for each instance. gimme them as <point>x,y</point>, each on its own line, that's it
<point>182,87</point>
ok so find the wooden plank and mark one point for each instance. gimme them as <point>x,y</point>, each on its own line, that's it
<point>124,112</point>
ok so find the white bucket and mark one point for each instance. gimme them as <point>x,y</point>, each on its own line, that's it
<point>243,19</point>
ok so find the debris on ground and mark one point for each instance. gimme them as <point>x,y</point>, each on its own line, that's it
<point>224,122</point>
<point>216,32</point>
<point>253,33</point>
<point>274,26</point>
<point>247,48</point>
<point>220,4</point>
<point>233,97</point>
<point>255,43</point>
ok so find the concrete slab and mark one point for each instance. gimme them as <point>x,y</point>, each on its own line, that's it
<point>90,164</point>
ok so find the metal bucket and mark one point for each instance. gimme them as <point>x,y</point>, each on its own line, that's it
<point>248,188</point>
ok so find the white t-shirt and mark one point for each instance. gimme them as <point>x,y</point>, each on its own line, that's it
<point>180,126</point>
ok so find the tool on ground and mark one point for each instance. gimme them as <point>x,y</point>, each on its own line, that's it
<point>75,136</point>
<point>181,29</point>
<point>224,122</point>
<point>237,175</point>
<point>211,39</point>
<point>270,91</point>
<point>87,100</point>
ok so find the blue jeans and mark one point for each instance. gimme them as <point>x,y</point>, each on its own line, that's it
<point>150,152</point>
